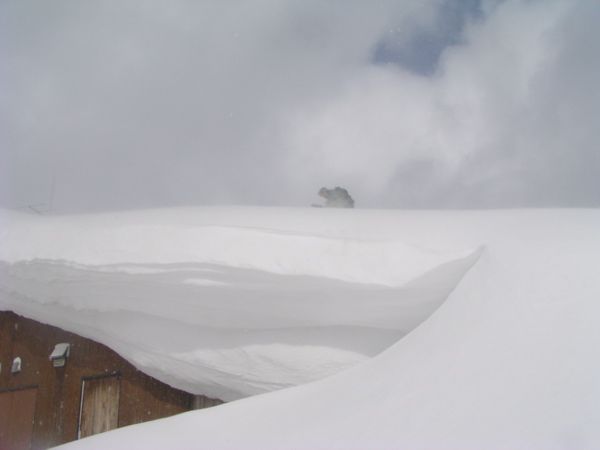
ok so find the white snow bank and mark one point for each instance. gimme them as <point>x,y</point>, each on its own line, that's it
<point>509,361</point>
<point>212,302</point>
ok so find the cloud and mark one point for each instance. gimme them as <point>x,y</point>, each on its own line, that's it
<point>508,119</point>
<point>137,103</point>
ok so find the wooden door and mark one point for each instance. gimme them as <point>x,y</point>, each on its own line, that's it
<point>17,410</point>
<point>202,402</point>
<point>99,406</point>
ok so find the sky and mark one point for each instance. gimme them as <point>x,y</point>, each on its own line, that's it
<point>129,104</point>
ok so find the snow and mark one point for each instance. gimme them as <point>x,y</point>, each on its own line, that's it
<point>509,359</point>
<point>212,303</point>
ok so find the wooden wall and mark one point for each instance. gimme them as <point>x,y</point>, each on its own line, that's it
<point>58,390</point>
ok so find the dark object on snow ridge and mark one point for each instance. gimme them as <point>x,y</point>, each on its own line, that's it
<point>336,198</point>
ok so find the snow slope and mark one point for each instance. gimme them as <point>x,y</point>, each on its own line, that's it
<point>509,361</point>
<point>226,302</point>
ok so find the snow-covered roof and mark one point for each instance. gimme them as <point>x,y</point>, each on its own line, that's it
<point>510,359</point>
<point>226,302</point>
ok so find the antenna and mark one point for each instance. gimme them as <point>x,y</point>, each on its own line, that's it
<point>35,209</point>
<point>52,188</point>
<point>42,208</point>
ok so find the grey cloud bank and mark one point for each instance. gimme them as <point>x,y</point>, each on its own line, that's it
<point>110,105</point>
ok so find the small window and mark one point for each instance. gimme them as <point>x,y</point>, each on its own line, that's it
<point>16,365</point>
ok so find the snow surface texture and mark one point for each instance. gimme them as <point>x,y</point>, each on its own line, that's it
<point>509,361</point>
<point>225,302</point>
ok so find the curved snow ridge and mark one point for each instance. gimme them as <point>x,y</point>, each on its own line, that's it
<point>229,297</point>
<point>121,244</point>
<point>245,332</point>
<point>224,311</point>
<point>509,361</point>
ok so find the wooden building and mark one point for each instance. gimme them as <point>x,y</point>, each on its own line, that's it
<point>84,389</point>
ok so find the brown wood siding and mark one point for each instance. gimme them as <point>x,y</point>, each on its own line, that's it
<point>17,410</point>
<point>141,397</point>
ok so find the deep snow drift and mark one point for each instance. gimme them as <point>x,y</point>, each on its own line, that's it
<point>209,302</point>
<point>509,360</point>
